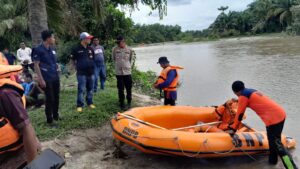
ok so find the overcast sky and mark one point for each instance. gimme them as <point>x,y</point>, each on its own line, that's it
<point>189,14</point>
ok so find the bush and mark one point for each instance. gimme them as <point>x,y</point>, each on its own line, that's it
<point>143,82</point>
<point>64,50</point>
<point>295,27</point>
<point>230,32</point>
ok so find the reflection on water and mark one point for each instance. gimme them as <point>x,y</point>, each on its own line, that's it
<point>268,64</point>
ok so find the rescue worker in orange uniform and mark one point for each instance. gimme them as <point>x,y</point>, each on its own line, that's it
<point>272,114</point>
<point>3,61</point>
<point>15,127</point>
<point>224,113</point>
<point>168,81</point>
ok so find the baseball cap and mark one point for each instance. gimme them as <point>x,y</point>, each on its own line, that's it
<point>163,60</point>
<point>85,35</point>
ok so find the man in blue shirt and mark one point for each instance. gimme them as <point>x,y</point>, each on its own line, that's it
<point>168,81</point>
<point>100,70</point>
<point>33,93</point>
<point>11,58</point>
<point>83,60</point>
<point>45,63</point>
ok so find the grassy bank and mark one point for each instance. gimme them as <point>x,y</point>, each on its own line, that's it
<point>216,38</point>
<point>106,102</point>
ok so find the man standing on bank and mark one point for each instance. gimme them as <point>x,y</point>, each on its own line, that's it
<point>83,60</point>
<point>45,63</point>
<point>168,81</point>
<point>24,56</point>
<point>272,114</point>
<point>122,58</point>
<point>100,69</point>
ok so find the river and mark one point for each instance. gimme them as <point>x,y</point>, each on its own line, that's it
<point>268,64</point>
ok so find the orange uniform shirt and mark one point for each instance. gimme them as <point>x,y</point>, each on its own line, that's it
<point>268,110</point>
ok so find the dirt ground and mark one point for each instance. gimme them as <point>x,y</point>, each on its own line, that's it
<point>94,148</point>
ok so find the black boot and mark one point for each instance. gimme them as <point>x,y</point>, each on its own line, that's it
<point>122,106</point>
<point>128,106</point>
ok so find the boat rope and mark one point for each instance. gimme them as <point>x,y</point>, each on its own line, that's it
<point>184,153</point>
<point>204,143</point>
<point>233,146</point>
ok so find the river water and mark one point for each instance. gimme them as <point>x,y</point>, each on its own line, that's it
<point>268,64</point>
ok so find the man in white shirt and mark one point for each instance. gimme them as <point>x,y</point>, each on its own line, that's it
<point>24,56</point>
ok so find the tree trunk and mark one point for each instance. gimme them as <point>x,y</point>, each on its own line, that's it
<point>38,22</point>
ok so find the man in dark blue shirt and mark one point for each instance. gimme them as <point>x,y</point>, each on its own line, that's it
<point>83,60</point>
<point>11,58</point>
<point>44,57</point>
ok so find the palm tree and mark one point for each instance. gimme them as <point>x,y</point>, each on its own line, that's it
<point>37,15</point>
<point>281,9</point>
<point>13,20</point>
<point>260,9</point>
<point>223,8</point>
<point>65,17</point>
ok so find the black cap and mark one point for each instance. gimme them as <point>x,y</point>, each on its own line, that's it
<point>163,60</point>
<point>238,86</point>
<point>119,39</point>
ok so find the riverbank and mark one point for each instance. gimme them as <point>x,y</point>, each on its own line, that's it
<point>106,102</point>
<point>94,147</point>
<point>207,39</point>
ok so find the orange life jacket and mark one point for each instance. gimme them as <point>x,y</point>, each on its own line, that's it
<point>163,77</point>
<point>3,61</point>
<point>226,113</point>
<point>10,139</point>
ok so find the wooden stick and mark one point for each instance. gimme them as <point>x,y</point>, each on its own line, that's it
<point>198,125</point>
<point>141,121</point>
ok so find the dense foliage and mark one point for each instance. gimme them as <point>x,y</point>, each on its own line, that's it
<point>155,33</point>
<point>104,19</point>
<point>261,16</point>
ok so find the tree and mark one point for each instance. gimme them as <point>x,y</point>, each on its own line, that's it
<point>281,9</point>
<point>38,21</point>
<point>13,22</point>
<point>223,8</point>
<point>38,12</point>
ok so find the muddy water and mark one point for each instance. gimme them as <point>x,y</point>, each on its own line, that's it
<point>268,64</point>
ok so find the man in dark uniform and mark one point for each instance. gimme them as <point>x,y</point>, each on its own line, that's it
<point>83,60</point>
<point>44,57</point>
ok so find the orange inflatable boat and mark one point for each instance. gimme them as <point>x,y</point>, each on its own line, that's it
<point>163,130</point>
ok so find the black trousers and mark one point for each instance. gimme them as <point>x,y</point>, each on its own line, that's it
<point>52,100</point>
<point>124,81</point>
<point>276,147</point>
<point>168,101</point>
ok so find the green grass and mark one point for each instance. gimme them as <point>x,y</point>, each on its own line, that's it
<point>106,105</point>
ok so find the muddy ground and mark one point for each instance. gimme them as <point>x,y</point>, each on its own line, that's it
<point>95,149</point>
